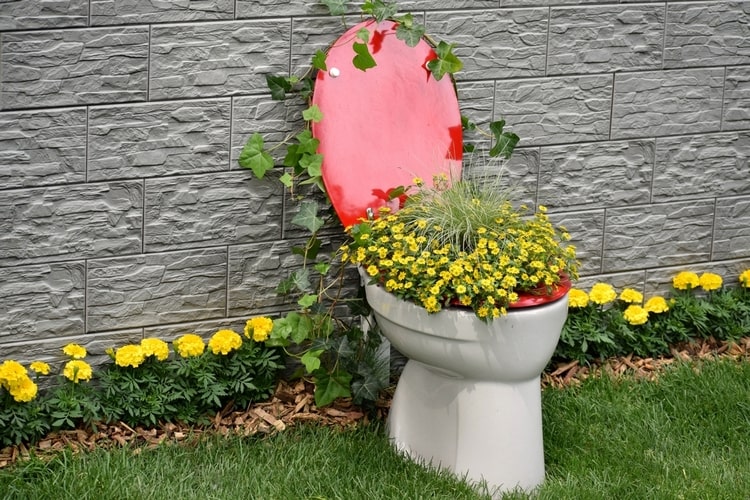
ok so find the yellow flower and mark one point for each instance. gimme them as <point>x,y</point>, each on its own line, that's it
<point>130,355</point>
<point>745,278</point>
<point>631,296</point>
<point>656,305</point>
<point>224,342</point>
<point>189,345</point>
<point>77,370</point>
<point>685,280</point>
<point>40,367</point>
<point>24,391</point>
<point>75,351</point>
<point>635,315</point>
<point>155,347</point>
<point>577,298</point>
<point>12,373</point>
<point>710,281</point>
<point>260,328</point>
<point>602,293</point>
<point>372,270</point>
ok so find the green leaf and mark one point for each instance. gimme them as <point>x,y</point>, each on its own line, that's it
<point>329,387</point>
<point>446,61</point>
<point>285,286</point>
<point>310,250</point>
<point>303,331</point>
<point>301,280</point>
<point>319,61</point>
<point>254,157</point>
<point>307,216</point>
<point>363,60</point>
<point>307,300</point>
<point>312,114</point>
<point>379,9</point>
<point>306,88</point>
<point>311,359</point>
<point>307,143</point>
<point>505,142</point>
<point>313,163</point>
<point>322,267</point>
<point>286,179</point>
<point>409,32</point>
<point>363,34</point>
<point>279,86</point>
<point>467,124</point>
<point>335,7</point>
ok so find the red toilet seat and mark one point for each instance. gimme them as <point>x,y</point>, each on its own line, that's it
<point>383,127</point>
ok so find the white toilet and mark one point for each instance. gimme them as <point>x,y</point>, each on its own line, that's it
<point>469,398</point>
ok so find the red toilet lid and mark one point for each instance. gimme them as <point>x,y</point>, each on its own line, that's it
<point>383,127</point>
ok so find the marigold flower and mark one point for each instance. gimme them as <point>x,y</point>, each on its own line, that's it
<point>631,296</point>
<point>77,370</point>
<point>12,373</point>
<point>189,345</point>
<point>685,280</point>
<point>602,293</point>
<point>40,367</point>
<point>75,351</point>
<point>130,355</point>
<point>635,314</point>
<point>224,342</point>
<point>24,391</point>
<point>656,305</point>
<point>577,298</point>
<point>710,281</point>
<point>156,348</point>
<point>259,328</point>
<point>745,278</point>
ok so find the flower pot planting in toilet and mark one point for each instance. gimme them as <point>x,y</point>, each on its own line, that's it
<point>464,245</point>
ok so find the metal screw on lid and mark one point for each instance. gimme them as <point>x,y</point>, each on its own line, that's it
<point>370,213</point>
<point>334,72</point>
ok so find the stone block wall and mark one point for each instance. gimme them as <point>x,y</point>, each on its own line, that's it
<point>123,212</point>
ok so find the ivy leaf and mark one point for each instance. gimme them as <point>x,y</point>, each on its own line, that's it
<point>254,157</point>
<point>307,300</point>
<point>329,387</point>
<point>285,286</point>
<point>313,164</point>
<point>408,32</point>
<point>335,7</point>
<point>467,124</point>
<point>322,267</point>
<point>286,180</point>
<point>319,60</point>
<point>310,250</point>
<point>307,216</point>
<point>379,9</point>
<point>313,114</point>
<point>304,330</point>
<point>307,143</point>
<point>363,60</point>
<point>279,86</point>
<point>505,142</point>
<point>446,61</point>
<point>311,360</point>
<point>301,280</point>
<point>306,88</point>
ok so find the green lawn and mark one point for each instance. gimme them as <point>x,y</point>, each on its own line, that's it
<point>684,436</point>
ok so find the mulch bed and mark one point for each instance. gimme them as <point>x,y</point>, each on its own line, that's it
<point>293,404</point>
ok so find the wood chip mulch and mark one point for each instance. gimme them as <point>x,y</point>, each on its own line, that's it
<point>293,403</point>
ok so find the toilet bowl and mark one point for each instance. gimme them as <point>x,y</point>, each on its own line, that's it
<point>469,397</point>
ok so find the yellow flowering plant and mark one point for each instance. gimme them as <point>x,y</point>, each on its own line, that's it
<point>602,323</point>
<point>462,244</point>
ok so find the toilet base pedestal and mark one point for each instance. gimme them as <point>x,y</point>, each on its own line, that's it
<point>485,431</point>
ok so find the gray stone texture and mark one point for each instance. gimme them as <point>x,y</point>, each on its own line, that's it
<point>43,301</point>
<point>216,59</point>
<point>105,12</point>
<point>35,14</point>
<point>586,39</point>
<point>156,289</point>
<point>494,43</point>
<point>707,34</point>
<point>596,175</point>
<point>70,222</point>
<point>737,99</point>
<point>661,235</point>
<point>586,230</point>
<point>732,228</point>
<point>667,102</point>
<point>70,67</point>
<point>556,110</point>
<point>123,211</point>
<point>702,166</point>
<point>254,273</point>
<point>157,139</point>
<point>42,147</point>
<point>211,209</point>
